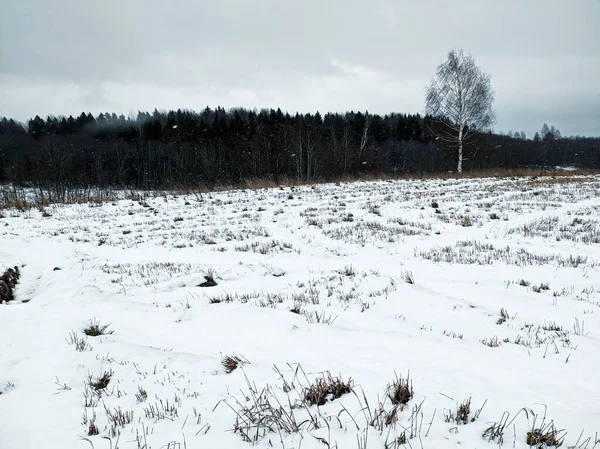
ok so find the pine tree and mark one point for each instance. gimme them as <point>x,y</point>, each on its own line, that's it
<point>545,131</point>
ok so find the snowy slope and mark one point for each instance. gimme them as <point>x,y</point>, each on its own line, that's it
<point>340,253</point>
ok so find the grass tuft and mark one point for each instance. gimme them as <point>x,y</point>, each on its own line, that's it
<point>400,391</point>
<point>95,329</point>
<point>232,362</point>
<point>326,388</point>
<point>102,382</point>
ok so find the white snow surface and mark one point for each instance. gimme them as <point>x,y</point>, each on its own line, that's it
<point>343,252</point>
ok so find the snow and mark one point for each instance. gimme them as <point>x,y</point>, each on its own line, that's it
<point>343,252</point>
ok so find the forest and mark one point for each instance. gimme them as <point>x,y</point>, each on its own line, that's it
<point>187,149</point>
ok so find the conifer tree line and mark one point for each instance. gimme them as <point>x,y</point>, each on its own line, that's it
<point>187,149</point>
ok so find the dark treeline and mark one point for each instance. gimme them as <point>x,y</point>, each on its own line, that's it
<point>179,149</point>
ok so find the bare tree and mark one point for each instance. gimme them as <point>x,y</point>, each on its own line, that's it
<point>461,97</point>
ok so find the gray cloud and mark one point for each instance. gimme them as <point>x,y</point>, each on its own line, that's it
<point>63,56</point>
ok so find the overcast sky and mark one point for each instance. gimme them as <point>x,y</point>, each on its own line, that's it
<point>67,56</point>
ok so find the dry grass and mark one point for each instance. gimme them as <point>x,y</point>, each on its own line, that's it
<point>92,429</point>
<point>544,434</point>
<point>15,198</point>
<point>326,388</point>
<point>80,343</point>
<point>462,413</point>
<point>101,382</point>
<point>232,362</point>
<point>547,437</point>
<point>400,391</point>
<point>262,413</point>
<point>95,329</point>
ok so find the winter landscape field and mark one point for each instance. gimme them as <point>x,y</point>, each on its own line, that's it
<point>422,314</point>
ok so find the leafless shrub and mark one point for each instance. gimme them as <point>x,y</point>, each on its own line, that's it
<point>232,362</point>
<point>409,278</point>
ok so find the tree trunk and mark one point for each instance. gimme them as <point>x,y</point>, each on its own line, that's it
<point>460,149</point>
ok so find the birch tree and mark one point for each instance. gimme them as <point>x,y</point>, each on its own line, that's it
<point>461,97</point>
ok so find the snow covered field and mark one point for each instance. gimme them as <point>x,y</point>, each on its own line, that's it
<point>482,289</point>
